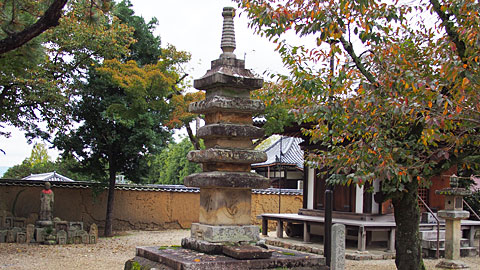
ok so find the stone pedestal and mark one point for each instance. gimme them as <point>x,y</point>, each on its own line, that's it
<point>169,258</point>
<point>225,234</point>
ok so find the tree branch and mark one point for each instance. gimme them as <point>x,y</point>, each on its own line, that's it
<point>450,29</point>
<point>49,19</point>
<point>358,63</point>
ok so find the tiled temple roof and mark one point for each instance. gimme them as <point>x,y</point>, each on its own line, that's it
<point>133,187</point>
<point>292,154</point>
<point>50,177</point>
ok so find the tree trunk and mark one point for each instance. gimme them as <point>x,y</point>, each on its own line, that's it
<point>110,200</point>
<point>407,217</point>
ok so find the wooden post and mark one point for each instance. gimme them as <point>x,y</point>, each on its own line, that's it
<point>362,238</point>
<point>391,240</point>
<point>280,228</point>
<point>306,232</point>
<point>327,239</point>
<point>264,226</point>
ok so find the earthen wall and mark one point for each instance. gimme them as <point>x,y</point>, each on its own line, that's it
<point>133,209</point>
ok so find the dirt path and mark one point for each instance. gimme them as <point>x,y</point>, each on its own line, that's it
<point>111,253</point>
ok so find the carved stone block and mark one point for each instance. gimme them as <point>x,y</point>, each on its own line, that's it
<point>3,216</point>
<point>92,239</point>
<point>19,222</point>
<point>76,225</point>
<point>225,206</point>
<point>93,234</point>
<point>10,238</point>
<point>40,235</point>
<point>61,225</point>
<point>21,237</point>
<point>8,222</point>
<point>71,236</point>
<point>30,233</point>
<point>62,237</point>
<point>3,236</point>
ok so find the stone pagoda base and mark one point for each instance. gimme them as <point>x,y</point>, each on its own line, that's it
<point>169,258</point>
<point>228,234</point>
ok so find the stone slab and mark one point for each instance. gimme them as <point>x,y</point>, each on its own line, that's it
<point>453,214</point>
<point>452,264</point>
<point>227,179</point>
<point>226,234</point>
<point>247,252</point>
<point>186,259</point>
<point>202,246</point>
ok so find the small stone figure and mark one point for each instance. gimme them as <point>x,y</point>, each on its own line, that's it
<point>46,206</point>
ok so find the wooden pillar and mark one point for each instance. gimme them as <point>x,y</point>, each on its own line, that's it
<point>264,226</point>
<point>280,228</point>
<point>306,232</point>
<point>391,240</point>
<point>362,238</point>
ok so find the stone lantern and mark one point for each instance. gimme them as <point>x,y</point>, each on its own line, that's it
<point>453,214</point>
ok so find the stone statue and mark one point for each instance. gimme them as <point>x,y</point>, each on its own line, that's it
<point>46,204</point>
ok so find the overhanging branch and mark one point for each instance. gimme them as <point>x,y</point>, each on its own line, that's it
<point>49,19</point>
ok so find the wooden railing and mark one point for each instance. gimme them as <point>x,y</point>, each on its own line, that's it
<point>478,217</point>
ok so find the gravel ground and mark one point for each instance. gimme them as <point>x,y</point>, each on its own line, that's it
<point>111,253</point>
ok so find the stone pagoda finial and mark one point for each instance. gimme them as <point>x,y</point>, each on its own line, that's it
<point>228,33</point>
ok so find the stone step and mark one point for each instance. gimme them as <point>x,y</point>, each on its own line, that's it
<point>432,243</point>
<point>431,234</point>
<point>464,252</point>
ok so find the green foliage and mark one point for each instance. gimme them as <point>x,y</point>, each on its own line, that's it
<point>171,165</point>
<point>474,202</point>
<point>122,107</point>
<point>403,109</point>
<point>146,49</point>
<point>38,78</point>
<point>399,101</point>
<point>39,155</point>
<point>66,166</point>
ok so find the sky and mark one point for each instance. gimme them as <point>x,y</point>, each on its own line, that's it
<point>190,25</point>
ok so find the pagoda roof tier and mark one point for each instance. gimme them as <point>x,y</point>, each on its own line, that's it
<point>229,73</point>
